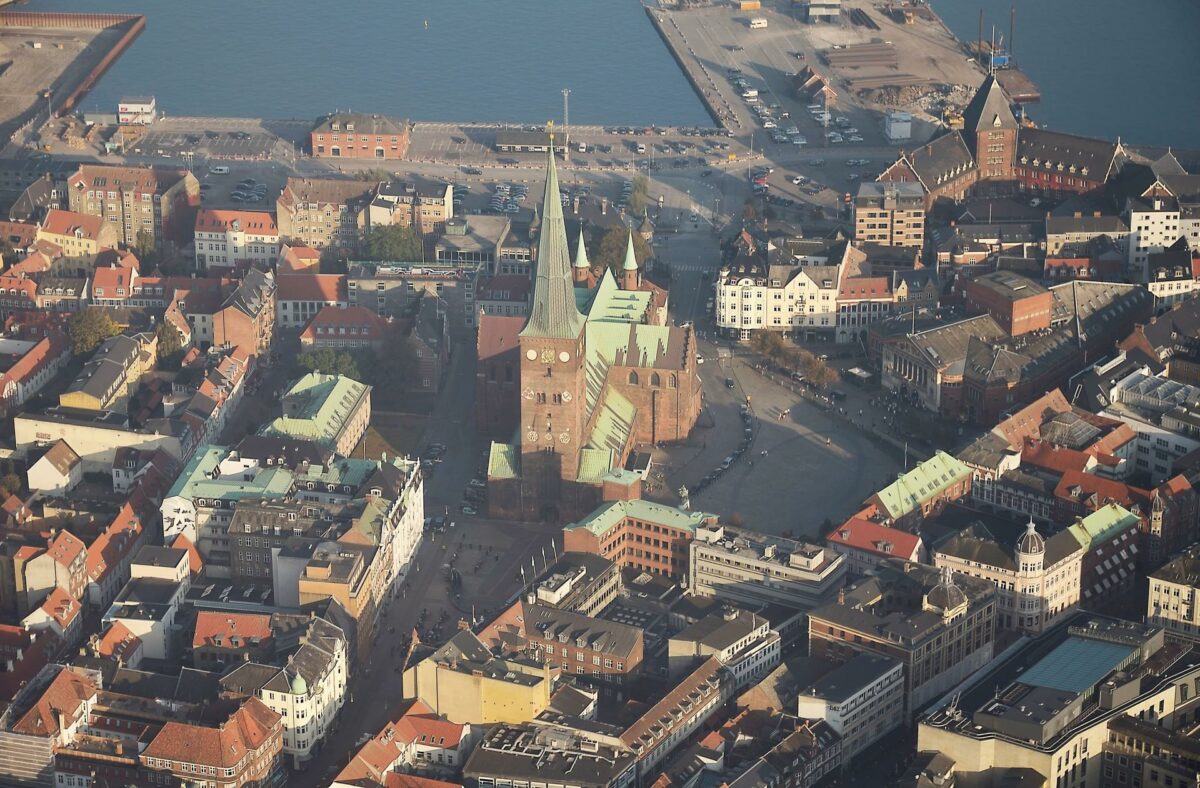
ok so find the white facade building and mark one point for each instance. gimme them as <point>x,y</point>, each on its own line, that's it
<point>862,700</point>
<point>225,238</point>
<point>802,299</point>
<point>1154,224</point>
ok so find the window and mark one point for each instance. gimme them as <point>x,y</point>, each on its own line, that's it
<point>633,378</point>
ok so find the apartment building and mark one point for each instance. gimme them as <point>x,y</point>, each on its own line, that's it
<point>743,642</point>
<point>112,374</point>
<point>580,582</point>
<point>1172,601</point>
<point>1154,225</point>
<point>77,234</point>
<point>307,691</point>
<point>299,297</point>
<point>1037,582</point>
<point>518,754</point>
<point>243,750</point>
<point>865,542</point>
<point>890,213</point>
<point>424,205</point>
<point>391,289</point>
<point>939,626</point>
<point>134,200</point>
<point>753,296</point>
<point>225,238</point>
<point>862,699</point>
<point>320,212</point>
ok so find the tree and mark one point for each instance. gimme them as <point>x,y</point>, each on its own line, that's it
<point>88,328</point>
<point>392,242</point>
<point>10,483</point>
<point>333,261</point>
<point>393,367</point>
<point>144,244</point>
<point>329,362</point>
<point>170,345</point>
<point>749,210</point>
<point>638,197</point>
<point>610,251</point>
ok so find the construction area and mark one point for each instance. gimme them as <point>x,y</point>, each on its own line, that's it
<point>61,55</point>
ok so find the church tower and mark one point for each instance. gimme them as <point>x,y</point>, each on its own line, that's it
<point>629,270</point>
<point>990,131</point>
<point>553,387</point>
<point>583,268</point>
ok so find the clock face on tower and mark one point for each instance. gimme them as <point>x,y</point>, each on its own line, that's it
<point>527,393</point>
<point>547,356</point>
<point>531,354</point>
<point>566,396</point>
<point>532,436</point>
<point>564,438</point>
<point>564,357</point>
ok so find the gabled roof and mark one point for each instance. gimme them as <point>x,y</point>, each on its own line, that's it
<point>217,628</point>
<point>65,548</point>
<point>210,220</point>
<point>921,484</point>
<point>989,109</point>
<point>67,693</point>
<point>60,222</point>
<point>940,160</point>
<point>118,642</point>
<point>61,457</point>
<point>872,537</point>
<point>247,730</point>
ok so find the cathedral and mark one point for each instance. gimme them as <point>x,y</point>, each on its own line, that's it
<point>597,373</point>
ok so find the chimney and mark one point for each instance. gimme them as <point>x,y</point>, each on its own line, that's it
<point>841,596</point>
<point>604,206</point>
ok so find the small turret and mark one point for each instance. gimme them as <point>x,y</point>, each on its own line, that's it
<point>582,267</point>
<point>629,271</point>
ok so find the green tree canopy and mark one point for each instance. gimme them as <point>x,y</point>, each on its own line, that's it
<point>333,261</point>
<point>638,197</point>
<point>392,242</point>
<point>144,244</point>
<point>329,362</point>
<point>88,328</point>
<point>609,251</point>
<point>170,344</point>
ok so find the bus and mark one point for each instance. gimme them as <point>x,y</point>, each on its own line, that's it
<point>758,23</point>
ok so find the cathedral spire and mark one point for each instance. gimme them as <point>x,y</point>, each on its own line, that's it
<point>581,258</point>
<point>554,313</point>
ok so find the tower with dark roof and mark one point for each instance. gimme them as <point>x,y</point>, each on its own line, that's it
<point>990,131</point>
<point>552,347</point>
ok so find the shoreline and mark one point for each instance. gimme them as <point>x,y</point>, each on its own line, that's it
<point>705,99</point>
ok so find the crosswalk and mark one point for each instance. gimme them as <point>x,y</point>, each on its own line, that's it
<point>695,267</point>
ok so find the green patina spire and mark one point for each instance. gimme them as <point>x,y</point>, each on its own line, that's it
<point>581,260</point>
<point>630,257</point>
<point>553,313</point>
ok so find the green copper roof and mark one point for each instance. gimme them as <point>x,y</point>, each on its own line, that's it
<point>502,461</point>
<point>611,304</point>
<point>630,256</point>
<point>553,313</point>
<point>923,482</point>
<point>197,479</point>
<point>1102,525</point>
<point>614,424</point>
<point>299,685</point>
<point>593,465</point>
<point>581,260</point>
<point>611,514</point>
<point>326,402</point>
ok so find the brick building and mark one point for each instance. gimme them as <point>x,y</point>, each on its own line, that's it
<point>226,238</point>
<point>890,214</point>
<point>320,212</point>
<point>596,379</point>
<point>78,234</point>
<point>497,376</point>
<point>1018,304</point>
<point>242,751</point>
<point>642,535</point>
<point>158,201</point>
<point>353,135</point>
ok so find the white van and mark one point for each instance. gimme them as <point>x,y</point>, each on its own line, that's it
<point>641,147</point>
<point>758,23</point>
<point>749,93</point>
<point>582,147</point>
<point>219,170</point>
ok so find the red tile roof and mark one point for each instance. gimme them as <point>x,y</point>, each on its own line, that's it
<point>326,324</point>
<point>122,258</point>
<point>1051,457</point>
<point>248,729</point>
<point>506,287</point>
<point>67,693</point>
<point>62,607</point>
<point>210,220</point>
<point>20,234</point>
<point>118,643</point>
<point>35,263</point>
<point>401,780</point>
<point>871,537</point>
<point>211,624</point>
<point>330,288</point>
<point>45,352</point>
<point>298,259</point>
<point>105,282</point>
<point>65,548</point>
<point>69,223</point>
<point>1105,489</point>
<point>195,562</point>
<point>114,545</point>
<point>864,287</point>
<point>114,178</point>
<point>1027,422</point>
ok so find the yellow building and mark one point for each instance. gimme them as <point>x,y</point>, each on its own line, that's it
<point>112,374</point>
<point>77,234</point>
<point>463,682</point>
<point>348,573</point>
<point>1171,603</point>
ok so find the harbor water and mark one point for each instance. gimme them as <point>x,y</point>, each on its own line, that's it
<point>1105,68</point>
<point>469,60</point>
